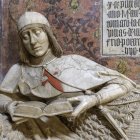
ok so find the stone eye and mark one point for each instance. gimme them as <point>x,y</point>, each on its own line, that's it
<point>25,36</point>
<point>37,32</point>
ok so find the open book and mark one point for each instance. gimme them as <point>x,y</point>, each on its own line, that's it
<point>35,109</point>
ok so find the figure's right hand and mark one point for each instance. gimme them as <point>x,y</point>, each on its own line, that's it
<point>11,106</point>
<point>10,109</point>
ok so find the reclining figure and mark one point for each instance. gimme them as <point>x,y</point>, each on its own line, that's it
<point>66,86</point>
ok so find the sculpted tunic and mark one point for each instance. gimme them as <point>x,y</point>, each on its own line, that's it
<point>70,73</point>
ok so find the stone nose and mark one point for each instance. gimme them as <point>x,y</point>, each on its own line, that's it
<point>33,39</point>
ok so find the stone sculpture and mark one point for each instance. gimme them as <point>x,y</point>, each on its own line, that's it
<point>46,84</point>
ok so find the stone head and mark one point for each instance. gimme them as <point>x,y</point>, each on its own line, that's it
<point>36,36</point>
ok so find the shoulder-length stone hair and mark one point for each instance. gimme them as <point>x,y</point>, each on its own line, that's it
<point>54,45</point>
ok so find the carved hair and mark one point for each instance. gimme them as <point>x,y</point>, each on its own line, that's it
<point>54,45</point>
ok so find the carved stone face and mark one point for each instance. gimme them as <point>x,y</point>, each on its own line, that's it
<point>35,40</point>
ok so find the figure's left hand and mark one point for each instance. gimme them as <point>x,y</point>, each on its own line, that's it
<point>85,102</point>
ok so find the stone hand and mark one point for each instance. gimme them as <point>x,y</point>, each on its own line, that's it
<point>85,102</point>
<point>10,108</point>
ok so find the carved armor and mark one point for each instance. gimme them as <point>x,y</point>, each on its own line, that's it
<point>30,79</point>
